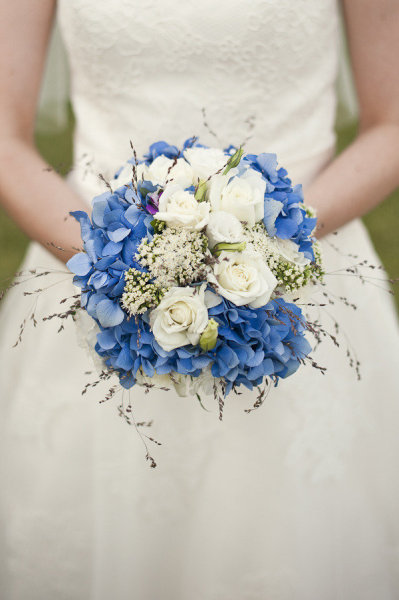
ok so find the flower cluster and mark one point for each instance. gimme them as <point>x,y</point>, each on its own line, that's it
<point>291,267</point>
<point>186,261</point>
<point>175,257</point>
<point>139,293</point>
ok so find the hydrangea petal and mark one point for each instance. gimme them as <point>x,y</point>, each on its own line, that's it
<point>109,313</point>
<point>272,209</point>
<point>80,264</point>
<point>112,248</point>
<point>119,234</point>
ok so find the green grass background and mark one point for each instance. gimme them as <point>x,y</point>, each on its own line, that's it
<point>382,223</point>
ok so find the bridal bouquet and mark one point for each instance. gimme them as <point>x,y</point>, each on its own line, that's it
<point>193,263</point>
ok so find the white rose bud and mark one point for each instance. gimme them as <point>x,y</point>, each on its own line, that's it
<point>180,317</point>
<point>243,278</point>
<point>223,227</point>
<point>179,208</point>
<point>289,251</point>
<point>158,172</point>
<point>243,196</point>
<point>205,161</point>
<point>209,336</point>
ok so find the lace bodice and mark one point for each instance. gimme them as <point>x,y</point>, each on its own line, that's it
<point>143,71</point>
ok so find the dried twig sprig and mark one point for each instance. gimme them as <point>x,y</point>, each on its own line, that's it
<point>103,376</point>
<point>134,167</point>
<point>263,393</point>
<point>102,178</point>
<point>219,389</point>
<point>206,124</point>
<point>126,413</point>
<point>32,318</point>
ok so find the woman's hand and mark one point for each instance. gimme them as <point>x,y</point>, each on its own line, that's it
<point>368,170</point>
<point>35,197</point>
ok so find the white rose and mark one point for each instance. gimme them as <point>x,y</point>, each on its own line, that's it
<point>223,227</point>
<point>289,251</point>
<point>181,316</point>
<point>205,161</point>
<point>243,196</point>
<point>179,208</point>
<point>243,278</point>
<point>158,171</point>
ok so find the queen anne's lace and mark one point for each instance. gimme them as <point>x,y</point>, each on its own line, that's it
<point>175,257</point>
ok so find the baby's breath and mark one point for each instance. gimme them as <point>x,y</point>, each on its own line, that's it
<point>175,257</point>
<point>290,276</point>
<point>139,293</point>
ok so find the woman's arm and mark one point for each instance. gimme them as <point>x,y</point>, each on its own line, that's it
<point>37,199</point>
<point>368,170</point>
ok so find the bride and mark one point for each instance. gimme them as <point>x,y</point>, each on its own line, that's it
<point>296,501</point>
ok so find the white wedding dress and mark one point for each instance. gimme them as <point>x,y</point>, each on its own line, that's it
<point>298,500</point>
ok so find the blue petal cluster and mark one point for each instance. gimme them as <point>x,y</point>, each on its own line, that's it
<point>252,343</point>
<point>285,215</point>
<point>110,240</point>
<point>255,343</point>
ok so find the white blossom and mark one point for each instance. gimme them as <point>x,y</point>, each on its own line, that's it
<point>242,195</point>
<point>223,227</point>
<point>180,317</point>
<point>179,208</point>
<point>290,252</point>
<point>290,266</point>
<point>243,278</point>
<point>175,257</point>
<point>205,162</point>
<point>164,169</point>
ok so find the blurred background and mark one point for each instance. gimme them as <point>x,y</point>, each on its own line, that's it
<point>382,223</point>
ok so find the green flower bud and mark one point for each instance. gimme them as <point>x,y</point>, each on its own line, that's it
<point>158,225</point>
<point>209,336</point>
<point>224,246</point>
<point>200,192</point>
<point>234,160</point>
